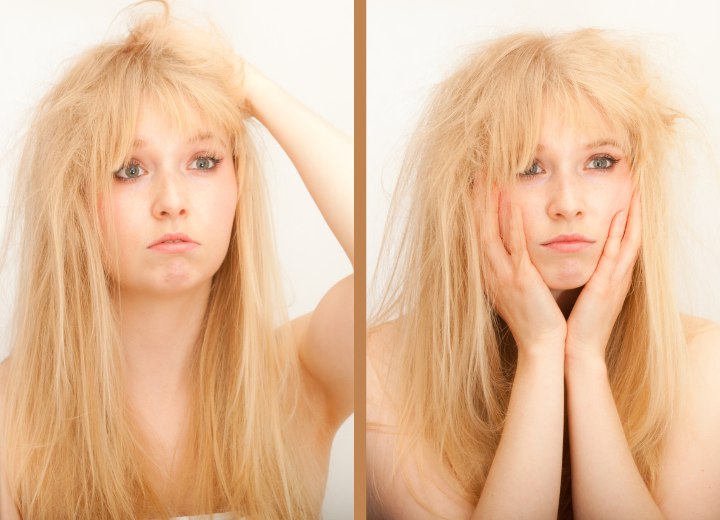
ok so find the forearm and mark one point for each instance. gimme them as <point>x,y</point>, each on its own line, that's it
<point>524,479</point>
<point>321,154</point>
<point>605,480</point>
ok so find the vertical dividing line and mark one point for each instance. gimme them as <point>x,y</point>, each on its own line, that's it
<point>360,257</point>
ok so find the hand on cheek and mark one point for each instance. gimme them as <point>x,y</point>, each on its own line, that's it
<point>592,319</point>
<point>515,286</point>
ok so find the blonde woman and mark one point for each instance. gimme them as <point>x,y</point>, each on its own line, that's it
<point>528,359</point>
<point>153,370</point>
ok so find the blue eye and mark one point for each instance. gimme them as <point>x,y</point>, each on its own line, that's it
<point>204,163</point>
<point>604,162</point>
<point>535,169</point>
<point>130,172</point>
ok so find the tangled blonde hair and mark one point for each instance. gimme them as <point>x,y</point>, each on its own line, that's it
<point>453,359</point>
<point>73,448</point>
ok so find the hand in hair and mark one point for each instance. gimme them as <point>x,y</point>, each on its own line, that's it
<point>322,154</point>
<point>592,319</point>
<point>323,157</point>
<point>252,79</point>
<point>515,286</point>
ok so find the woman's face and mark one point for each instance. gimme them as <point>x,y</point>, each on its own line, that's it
<point>172,185</point>
<point>579,180</point>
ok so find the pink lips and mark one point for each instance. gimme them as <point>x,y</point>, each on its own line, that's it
<point>173,243</point>
<point>569,243</point>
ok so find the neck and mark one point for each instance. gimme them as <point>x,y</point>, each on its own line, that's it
<point>159,334</point>
<point>566,299</point>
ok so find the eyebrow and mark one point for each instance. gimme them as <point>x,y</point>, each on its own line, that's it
<point>200,136</point>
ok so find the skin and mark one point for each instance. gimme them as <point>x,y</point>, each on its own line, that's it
<point>570,188</point>
<point>164,296</point>
<point>573,186</point>
<point>566,193</point>
<point>561,308</point>
<point>171,185</point>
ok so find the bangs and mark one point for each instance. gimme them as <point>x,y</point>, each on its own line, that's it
<point>194,110</point>
<point>585,114</point>
<point>512,110</point>
<point>195,85</point>
<point>534,78</point>
<point>190,111</point>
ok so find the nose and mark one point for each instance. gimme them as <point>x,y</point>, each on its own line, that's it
<point>565,197</point>
<point>170,197</point>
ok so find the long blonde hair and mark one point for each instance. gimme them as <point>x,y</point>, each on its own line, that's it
<point>73,450</point>
<point>452,358</point>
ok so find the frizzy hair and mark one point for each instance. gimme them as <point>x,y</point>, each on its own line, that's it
<point>74,450</point>
<point>452,357</point>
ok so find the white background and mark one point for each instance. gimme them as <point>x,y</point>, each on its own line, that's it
<point>306,47</point>
<point>414,44</point>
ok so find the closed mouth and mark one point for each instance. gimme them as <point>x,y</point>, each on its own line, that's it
<point>173,238</point>
<point>569,239</point>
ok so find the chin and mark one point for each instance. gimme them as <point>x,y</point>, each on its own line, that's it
<point>170,283</point>
<point>566,279</point>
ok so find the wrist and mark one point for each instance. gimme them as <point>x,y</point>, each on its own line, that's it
<point>541,352</point>
<point>585,361</point>
<point>255,86</point>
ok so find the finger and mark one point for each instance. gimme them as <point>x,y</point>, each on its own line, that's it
<point>608,259</point>
<point>630,246</point>
<point>634,226</point>
<point>617,231</point>
<point>516,240</point>
<point>492,242</point>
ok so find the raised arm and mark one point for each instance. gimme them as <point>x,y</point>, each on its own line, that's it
<point>323,156</point>
<point>524,479</point>
<point>605,479</point>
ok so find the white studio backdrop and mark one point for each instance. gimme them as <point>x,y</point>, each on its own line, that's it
<point>306,47</point>
<point>413,44</point>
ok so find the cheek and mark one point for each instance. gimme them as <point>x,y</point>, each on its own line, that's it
<point>123,221</point>
<point>531,208</point>
<point>220,203</point>
<point>612,200</point>
<point>226,198</point>
<point>122,215</point>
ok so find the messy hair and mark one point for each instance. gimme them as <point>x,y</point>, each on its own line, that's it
<point>453,354</point>
<point>74,450</point>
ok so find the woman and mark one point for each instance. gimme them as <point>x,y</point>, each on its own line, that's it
<point>528,359</point>
<point>150,310</point>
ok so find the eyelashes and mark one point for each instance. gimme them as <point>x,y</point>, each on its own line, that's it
<point>605,160</point>
<point>134,167</point>
<point>602,162</point>
<point>133,170</point>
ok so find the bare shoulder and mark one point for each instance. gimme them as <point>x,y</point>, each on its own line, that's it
<point>416,486</point>
<point>689,476</point>
<point>698,327</point>
<point>324,340</point>
<point>703,354</point>
<point>314,393</point>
